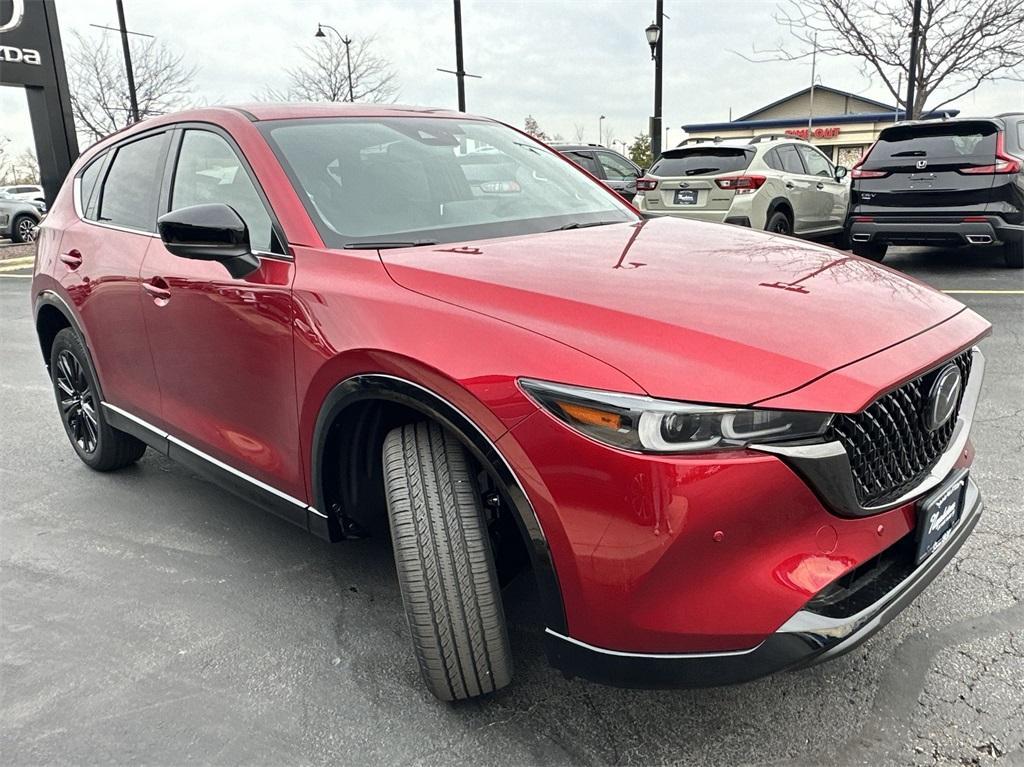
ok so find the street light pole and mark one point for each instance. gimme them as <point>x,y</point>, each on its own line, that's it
<point>912,69</point>
<point>600,120</point>
<point>656,38</point>
<point>348,57</point>
<point>460,71</point>
<point>132,97</point>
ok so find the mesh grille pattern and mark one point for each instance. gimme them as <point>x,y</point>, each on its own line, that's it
<point>889,446</point>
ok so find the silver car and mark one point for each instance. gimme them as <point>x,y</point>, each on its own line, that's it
<point>18,219</point>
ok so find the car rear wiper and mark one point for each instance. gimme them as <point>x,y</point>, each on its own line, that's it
<point>581,225</point>
<point>387,245</point>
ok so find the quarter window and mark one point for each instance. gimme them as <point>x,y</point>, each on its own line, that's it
<point>816,164</point>
<point>209,171</point>
<point>132,187</point>
<point>87,186</point>
<point>771,159</point>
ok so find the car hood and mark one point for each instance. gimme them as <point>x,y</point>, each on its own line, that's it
<point>688,310</point>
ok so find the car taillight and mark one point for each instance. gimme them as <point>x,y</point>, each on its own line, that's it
<point>857,172</point>
<point>741,184</point>
<point>1004,163</point>
<point>646,184</point>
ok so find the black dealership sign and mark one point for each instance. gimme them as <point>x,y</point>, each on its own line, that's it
<point>31,56</point>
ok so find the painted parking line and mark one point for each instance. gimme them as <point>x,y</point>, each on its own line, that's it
<point>986,292</point>
<point>15,276</point>
<point>14,264</point>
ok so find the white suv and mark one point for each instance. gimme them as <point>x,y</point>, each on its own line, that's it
<point>768,182</point>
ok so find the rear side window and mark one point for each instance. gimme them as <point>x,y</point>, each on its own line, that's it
<point>132,187</point>
<point>615,168</point>
<point>771,159</point>
<point>956,144</point>
<point>585,161</point>
<point>703,161</point>
<point>790,160</point>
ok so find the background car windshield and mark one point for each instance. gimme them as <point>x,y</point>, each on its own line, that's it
<point>707,161</point>
<point>433,179</point>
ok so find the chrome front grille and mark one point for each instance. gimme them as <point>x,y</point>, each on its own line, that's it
<point>889,446</point>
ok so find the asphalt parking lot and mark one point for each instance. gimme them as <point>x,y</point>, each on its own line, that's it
<point>148,616</point>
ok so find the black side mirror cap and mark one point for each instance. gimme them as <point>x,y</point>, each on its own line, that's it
<point>210,232</point>
<point>841,171</point>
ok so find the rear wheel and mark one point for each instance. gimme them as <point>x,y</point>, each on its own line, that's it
<point>445,564</point>
<point>872,250</point>
<point>98,444</point>
<point>779,223</point>
<point>1013,253</point>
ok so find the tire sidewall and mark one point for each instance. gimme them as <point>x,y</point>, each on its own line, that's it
<point>16,229</point>
<point>68,340</point>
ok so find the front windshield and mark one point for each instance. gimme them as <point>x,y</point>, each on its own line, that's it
<point>424,180</point>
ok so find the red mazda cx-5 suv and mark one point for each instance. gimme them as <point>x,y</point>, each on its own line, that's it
<point>721,453</point>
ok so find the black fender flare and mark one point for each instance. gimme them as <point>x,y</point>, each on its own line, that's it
<point>53,299</point>
<point>380,386</point>
<point>775,204</point>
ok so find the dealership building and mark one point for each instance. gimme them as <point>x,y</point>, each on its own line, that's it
<point>843,125</point>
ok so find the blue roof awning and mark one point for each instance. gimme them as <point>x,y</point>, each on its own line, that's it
<point>801,122</point>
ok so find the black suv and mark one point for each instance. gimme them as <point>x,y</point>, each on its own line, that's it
<point>614,170</point>
<point>955,182</point>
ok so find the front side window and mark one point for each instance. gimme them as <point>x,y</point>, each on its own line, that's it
<point>586,161</point>
<point>615,168</point>
<point>816,164</point>
<point>430,179</point>
<point>132,188</point>
<point>209,171</point>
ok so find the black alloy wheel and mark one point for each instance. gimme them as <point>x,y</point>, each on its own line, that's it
<point>77,402</point>
<point>778,223</point>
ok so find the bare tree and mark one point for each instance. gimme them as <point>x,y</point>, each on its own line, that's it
<point>962,43</point>
<point>323,74</point>
<point>99,86</point>
<point>6,159</point>
<point>531,127</point>
<point>609,135</point>
<point>579,131</point>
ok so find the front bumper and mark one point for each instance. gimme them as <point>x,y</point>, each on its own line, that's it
<point>805,639</point>
<point>935,230</point>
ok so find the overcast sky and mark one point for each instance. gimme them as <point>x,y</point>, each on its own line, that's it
<point>563,61</point>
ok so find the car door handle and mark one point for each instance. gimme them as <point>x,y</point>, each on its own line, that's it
<point>72,258</point>
<point>790,185</point>
<point>821,185</point>
<point>157,288</point>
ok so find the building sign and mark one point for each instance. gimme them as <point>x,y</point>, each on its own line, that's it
<point>828,132</point>
<point>31,57</point>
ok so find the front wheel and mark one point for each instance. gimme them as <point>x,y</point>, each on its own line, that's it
<point>871,250</point>
<point>445,564</point>
<point>98,444</point>
<point>1013,254</point>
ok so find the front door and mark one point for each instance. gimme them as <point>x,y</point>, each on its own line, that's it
<point>827,194</point>
<point>223,346</point>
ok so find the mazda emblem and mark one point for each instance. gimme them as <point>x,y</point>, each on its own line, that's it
<point>942,397</point>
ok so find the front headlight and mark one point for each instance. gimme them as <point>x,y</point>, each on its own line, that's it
<point>650,425</point>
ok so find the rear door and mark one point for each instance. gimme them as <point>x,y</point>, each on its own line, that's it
<point>686,178</point>
<point>799,188</point>
<point>928,168</point>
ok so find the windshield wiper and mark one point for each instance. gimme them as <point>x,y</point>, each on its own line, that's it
<point>582,225</point>
<point>387,245</point>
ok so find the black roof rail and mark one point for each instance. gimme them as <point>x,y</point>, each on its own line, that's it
<point>770,137</point>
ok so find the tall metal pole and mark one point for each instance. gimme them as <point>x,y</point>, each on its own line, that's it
<point>912,69</point>
<point>659,19</point>
<point>460,72</point>
<point>810,106</point>
<point>348,63</point>
<point>132,97</point>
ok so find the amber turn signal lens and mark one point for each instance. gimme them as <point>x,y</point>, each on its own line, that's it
<point>591,416</point>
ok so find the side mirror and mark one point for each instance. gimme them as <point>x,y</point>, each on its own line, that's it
<point>212,232</point>
<point>841,171</point>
